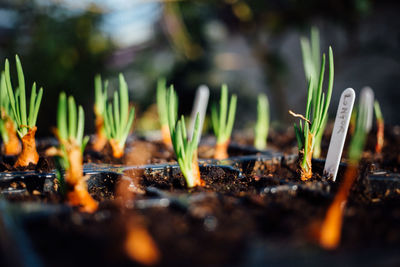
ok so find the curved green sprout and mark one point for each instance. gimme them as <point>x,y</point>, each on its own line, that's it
<point>316,113</point>
<point>185,150</point>
<point>18,103</point>
<point>222,124</point>
<point>118,117</point>
<point>262,126</point>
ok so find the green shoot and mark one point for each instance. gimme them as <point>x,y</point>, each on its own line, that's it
<point>380,125</point>
<point>24,120</point>
<point>360,135</point>
<point>221,125</point>
<point>70,125</point>
<point>185,150</point>
<point>162,101</point>
<point>5,108</point>
<point>312,65</point>
<point>70,129</point>
<point>222,122</point>
<point>378,112</point>
<point>316,113</point>
<point>162,107</point>
<point>100,95</point>
<point>118,119</point>
<point>262,126</point>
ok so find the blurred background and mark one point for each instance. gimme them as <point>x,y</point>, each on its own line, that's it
<point>253,46</point>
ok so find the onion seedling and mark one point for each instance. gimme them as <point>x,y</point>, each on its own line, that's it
<point>11,144</point>
<point>118,119</point>
<point>26,123</point>
<point>222,124</point>
<point>262,126</point>
<point>100,97</point>
<point>185,150</point>
<point>162,107</point>
<point>380,131</point>
<point>70,129</point>
<point>312,63</point>
<point>314,118</point>
<point>332,224</point>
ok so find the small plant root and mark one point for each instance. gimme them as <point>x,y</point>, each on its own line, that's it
<point>100,139</point>
<point>118,152</point>
<point>330,232</point>
<point>221,150</point>
<point>29,153</point>
<point>78,194</point>
<point>13,146</point>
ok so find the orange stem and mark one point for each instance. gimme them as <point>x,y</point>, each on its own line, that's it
<point>196,172</point>
<point>166,136</point>
<point>221,150</point>
<point>306,173</point>
<point>380,135</point>
<point>78,196</point>
<point>13,146</point>
<point>139,244</point>
<point>29,153</point>
<point>100,139</point>
<point>332,225</point>
<point>118,152</point>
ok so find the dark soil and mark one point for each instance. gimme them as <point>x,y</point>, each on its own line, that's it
<point>252,212</point>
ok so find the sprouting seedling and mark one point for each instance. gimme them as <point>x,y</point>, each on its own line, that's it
<point>262,126</point>
<point>314,118</point>
<point>332,225</point>
<point>222,122</point>
<point>26,122</point>
<point>312,65</point>
<point>380,131</point>
<point>70,130</point>
<point>11,144</point>
<point>162,107</point>
<point>100,96</point>
<point>118,119</point>
<point>185,149</point>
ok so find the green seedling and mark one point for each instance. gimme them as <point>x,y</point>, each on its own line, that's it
<point>380,125</point>
<point>100,96</point>
<point>222,122</point>
<point>11,144</point>
<point>185,150</point>
<point>162,108</point>
<point>26,122</point>
<point>262,126</point>
<point>312,64</point>
<point>314,118</point>
<point>118,119</point>
<point>70,130</point>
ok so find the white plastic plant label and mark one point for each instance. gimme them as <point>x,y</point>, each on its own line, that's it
<point>199,106</point>
<point>339,132</point>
